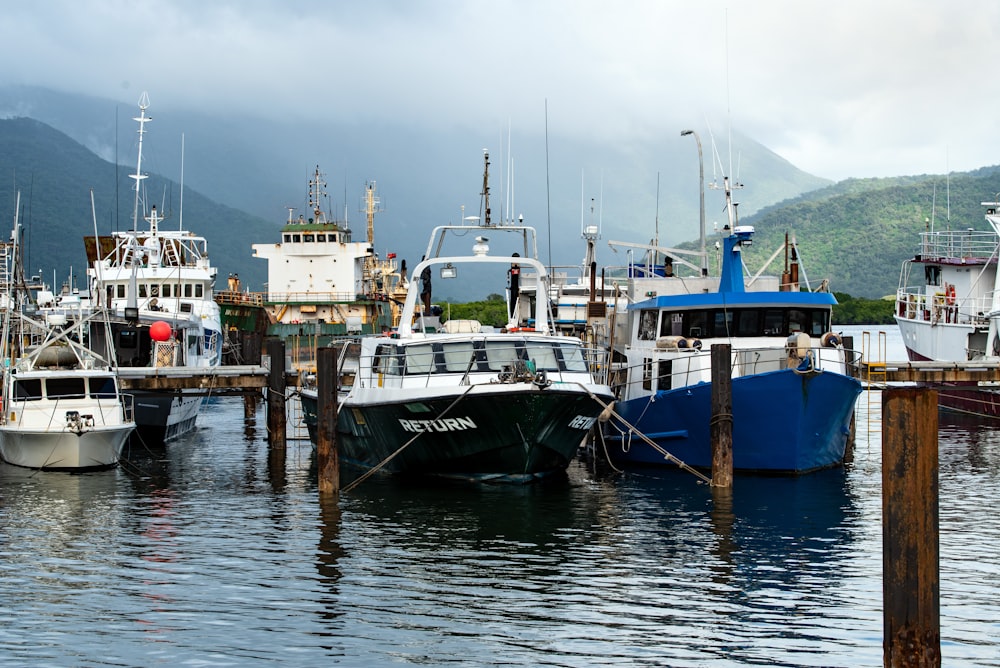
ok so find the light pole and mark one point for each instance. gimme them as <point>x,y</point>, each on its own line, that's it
<point>701,194</point>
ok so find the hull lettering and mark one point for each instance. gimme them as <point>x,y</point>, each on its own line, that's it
<point>445,424</point>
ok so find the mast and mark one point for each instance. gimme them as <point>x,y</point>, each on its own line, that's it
<point>138,176</point>
<point>485,212</point>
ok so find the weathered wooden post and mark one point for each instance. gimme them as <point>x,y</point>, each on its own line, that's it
<point>721,428</point>
<point>327,458</point>
<point>910,566</point>
<point>847,343</point>
<point>276,394</point>
<point>250,346</point>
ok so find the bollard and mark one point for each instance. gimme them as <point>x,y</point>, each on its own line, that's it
<point>276,394</point>
<point>327,459</point>
<point>910,554</point>
<point>721,426</point>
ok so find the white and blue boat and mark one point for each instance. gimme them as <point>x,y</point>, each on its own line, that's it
<point>792,394</point>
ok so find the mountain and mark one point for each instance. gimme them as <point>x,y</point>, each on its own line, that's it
<point>55,176</point>
<point>854,233</point>
<point>424,177</point>
<point>857,233</point>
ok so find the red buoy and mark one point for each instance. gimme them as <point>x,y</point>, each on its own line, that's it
<point>160,331</point>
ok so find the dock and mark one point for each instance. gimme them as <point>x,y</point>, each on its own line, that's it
<point>880,373</point>
<point>220,380</point>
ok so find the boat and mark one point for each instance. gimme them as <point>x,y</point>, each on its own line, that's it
<point>460,400</point>
<point>792,396</point>
<point>947,308</point>
<point>321,285</point>
<point>62,405</point>
<point>157,285</point>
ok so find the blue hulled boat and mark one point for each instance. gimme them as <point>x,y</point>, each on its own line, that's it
<point>792,396</point>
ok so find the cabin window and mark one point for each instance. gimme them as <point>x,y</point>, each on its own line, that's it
<point>722,324</point>
<point>774,322</point>
<point>142,291</point>
<point>697,324</point>
<point>457,356</point>
<point>308,238</point>
<point>121,290</point>
<point>933,275</point>
<point>671,324</point>
<point>333,237</point>
<point>797,321</point>
<point>573,357</point>
<point>187,289</point>
<point>186,307</point>
<point>320,238</point>
<point>199,290</point>
<point>647,374</point>
<point>748,323</point>
<point>102,388</point>
<point>664,369</point>
<point>819,325</point>
<point>647,325</point>
<point>297,238</point>
<point>386,361</point>
<point>29,389</point>
<point>65,388</point>
<point>287,238</point>
<point>166,290</point>
<point>543,355</point>
<point>500,354</point>
<point>419,358</point>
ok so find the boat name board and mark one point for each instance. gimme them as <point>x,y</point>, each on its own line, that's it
<point>461,424</point>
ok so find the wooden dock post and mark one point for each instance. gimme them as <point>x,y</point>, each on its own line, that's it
<point>276,394</point>
<point>910,551</point>
<point>721,428</point>
<point>250,343</point>
<point>327,458</point>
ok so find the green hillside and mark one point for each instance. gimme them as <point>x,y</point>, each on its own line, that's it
<point>858,232</point>
<point>55,176</point>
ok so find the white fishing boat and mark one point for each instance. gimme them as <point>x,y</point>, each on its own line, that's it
<point>158,286</point>
<point>461,400</point>
<point>947,306</point>
<point>322,285</point>
<point>62,406</point>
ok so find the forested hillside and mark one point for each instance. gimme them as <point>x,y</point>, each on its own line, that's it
<point>857,233</point>
<point>55,176</point>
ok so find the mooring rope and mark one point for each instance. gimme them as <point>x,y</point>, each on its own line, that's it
<point>369,473</point>
<point>650,442</point>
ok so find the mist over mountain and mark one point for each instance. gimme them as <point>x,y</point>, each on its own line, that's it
<point>424,178</point>
<point>241,176</point>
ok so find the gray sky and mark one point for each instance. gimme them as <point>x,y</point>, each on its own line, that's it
<point>840,89</point>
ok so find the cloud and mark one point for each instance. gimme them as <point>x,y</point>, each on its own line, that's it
<point>839,89</point>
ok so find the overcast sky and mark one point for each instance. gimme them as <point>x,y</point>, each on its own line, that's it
<point>840,89</point>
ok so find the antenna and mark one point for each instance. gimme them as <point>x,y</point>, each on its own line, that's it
<point>180,217</point>
<point>138,176</point>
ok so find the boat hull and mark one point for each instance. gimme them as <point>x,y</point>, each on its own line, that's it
<point>97,448</point>
<point>163,417</point>
<point>968,398</point>
<point>783,422</point>
<point>500,433</point>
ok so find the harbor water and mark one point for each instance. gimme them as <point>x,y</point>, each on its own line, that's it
<point>210,552</point>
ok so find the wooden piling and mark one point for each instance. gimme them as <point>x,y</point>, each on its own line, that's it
<point>327,458</point>
<point>722,416</point>
<point>910,551</point>
<point>276,394</point>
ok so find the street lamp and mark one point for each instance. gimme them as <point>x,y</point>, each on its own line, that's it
<point>701,193</point>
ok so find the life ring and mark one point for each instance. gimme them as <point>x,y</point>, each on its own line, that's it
<point>949,294</point>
